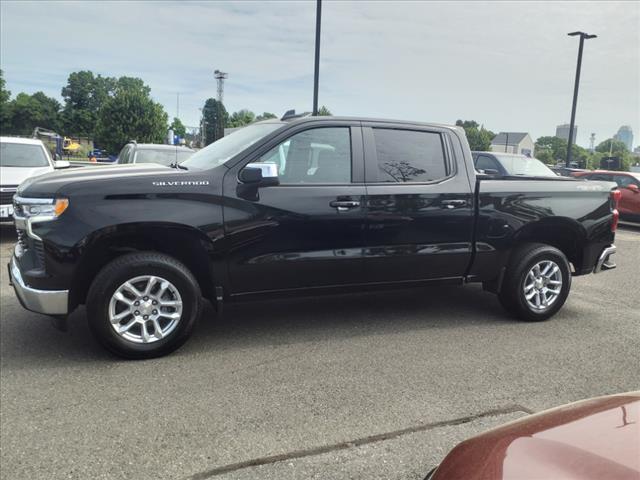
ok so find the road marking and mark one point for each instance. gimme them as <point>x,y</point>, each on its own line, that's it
<point>233,467</point>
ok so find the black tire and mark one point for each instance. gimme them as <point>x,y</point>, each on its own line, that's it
<point>512,296</point>
<point>129,266</point>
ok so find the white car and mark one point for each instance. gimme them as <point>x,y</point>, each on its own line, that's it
<point>21,158</point>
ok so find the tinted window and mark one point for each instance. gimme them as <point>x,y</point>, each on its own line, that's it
<point>22,155</point>
<point>409,156</point>
<point>319,155</point>
<point>485,163</point>
<point>601,176</point>
<point>165,156</point>
<point>624,181</point>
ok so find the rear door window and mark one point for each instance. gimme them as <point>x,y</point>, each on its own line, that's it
<point>409,155</point>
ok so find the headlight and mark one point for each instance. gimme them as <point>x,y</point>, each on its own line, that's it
<point>40,209</point>
<point>27,211</point>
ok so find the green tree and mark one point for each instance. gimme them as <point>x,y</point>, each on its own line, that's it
<point>178,127</point>
<point>266,116</point>
<point>84,95</point>
<point>324,112</point>
<point>5,114</point>
<point>615,148</point>
<point>29,111</point>
<point>215,117</point>
<point>241,118</point>
<point>130,114</point>
<point>479,138</point>
<point>551,150</point>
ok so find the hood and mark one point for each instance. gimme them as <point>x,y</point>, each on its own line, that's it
<point>105,178</point>
<point>592,439</point>
<point>17,175</point>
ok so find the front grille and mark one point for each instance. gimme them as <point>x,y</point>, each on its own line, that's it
<point>22,240</point>
<point>38,247</point>
<point>6,194</point>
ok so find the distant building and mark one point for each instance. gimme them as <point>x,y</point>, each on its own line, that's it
<point>625,135</point>
<point>513,142</point>
<point>562,131</point>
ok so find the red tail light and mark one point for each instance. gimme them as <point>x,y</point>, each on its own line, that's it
<point>616,195</point>
<point>614,221</point>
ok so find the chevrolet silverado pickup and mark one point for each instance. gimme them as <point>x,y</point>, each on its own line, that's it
<point>301,205</point>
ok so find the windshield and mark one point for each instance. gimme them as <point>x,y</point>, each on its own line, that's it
<point>219,152</point>
<point>22,155</point>
<point>165,156</point>
<point>521,165</point>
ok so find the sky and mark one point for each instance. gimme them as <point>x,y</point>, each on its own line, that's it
<point>508,65</point>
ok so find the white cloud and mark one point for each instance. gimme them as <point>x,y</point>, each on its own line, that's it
<point>507,65</point>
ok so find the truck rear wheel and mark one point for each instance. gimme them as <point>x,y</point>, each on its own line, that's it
<point>143,305</point>
<point>536,283</point>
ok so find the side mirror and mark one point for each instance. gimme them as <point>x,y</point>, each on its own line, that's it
<point>260,175</point>
<point>490,171</point>
<point>633,187</point>
<point>61,164</point>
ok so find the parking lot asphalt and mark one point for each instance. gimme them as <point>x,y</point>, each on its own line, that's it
<point>375,386</point>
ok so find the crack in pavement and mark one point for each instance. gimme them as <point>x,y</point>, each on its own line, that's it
<point>267,460</point>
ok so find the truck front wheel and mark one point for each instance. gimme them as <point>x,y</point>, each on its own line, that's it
<point>536,283</point>
<point>143,305</point>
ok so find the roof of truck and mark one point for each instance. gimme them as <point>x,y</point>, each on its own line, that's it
<point>311,118</point>
<point>21,140</point>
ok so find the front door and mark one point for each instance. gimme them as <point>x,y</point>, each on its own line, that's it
<point>419,205</point>
<point>308,231</point>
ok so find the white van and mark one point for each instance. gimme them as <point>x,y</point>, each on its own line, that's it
<point>21,158</point>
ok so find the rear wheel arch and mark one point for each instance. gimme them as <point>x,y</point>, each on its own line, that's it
<point>186,244</point>
<point>565,234</point>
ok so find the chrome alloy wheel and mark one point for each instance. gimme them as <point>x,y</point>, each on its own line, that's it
<point>145,309</point>
<point>542,285</point>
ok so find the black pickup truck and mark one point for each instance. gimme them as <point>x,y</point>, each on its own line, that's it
<point>301,205</point>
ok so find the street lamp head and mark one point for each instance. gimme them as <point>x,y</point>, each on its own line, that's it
<point>584,35</point>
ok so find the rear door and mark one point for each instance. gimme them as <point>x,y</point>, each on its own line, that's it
<point>308,231</point>
<point>419,204</point>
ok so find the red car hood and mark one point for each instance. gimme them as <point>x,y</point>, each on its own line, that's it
<point>591,439</point>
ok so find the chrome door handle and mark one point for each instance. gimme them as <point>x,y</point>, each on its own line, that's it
<point>344,205</point>
<point>453,203</point>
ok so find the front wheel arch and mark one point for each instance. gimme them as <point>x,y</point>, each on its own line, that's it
<point>186,244</point>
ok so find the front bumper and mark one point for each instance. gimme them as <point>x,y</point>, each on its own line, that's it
<point>604,260</point>
<point>48,302</point>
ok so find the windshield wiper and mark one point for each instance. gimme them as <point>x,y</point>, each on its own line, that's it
<point>177,165</point>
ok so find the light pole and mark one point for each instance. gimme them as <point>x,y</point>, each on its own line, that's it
<point>583,37</point>
<point>316,73</point>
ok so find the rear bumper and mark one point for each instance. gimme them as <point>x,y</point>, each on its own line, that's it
<point>604,260</point>
<point>48,302</point>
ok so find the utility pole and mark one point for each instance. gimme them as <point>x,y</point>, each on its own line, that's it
<point>592,142</point>
<point>177,104</point>
<point>220,78</point>
<point>316,74</point>
<point>583,37</point>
